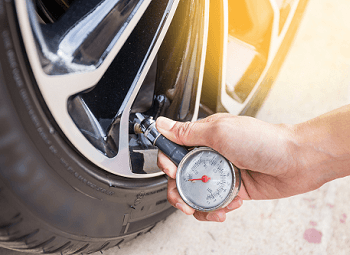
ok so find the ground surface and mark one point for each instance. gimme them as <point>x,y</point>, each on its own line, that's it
<point>314,79</point>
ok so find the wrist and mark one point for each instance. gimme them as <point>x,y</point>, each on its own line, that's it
<point>318,159</point>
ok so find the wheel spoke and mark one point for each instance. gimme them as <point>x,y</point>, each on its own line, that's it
<point>91,38</point>
<point>188,52</point>
<point>254,39</point>
<point>86,34</point>
<point>72,54</point>
<point>123,114</point>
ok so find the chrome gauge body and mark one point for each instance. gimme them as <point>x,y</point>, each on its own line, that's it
<point>206,180</point>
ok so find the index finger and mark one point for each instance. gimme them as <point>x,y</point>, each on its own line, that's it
<point>189,133</point>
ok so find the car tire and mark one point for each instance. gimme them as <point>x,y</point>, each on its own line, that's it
<point>52,199</point>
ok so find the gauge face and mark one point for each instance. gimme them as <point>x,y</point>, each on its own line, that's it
<point>206,180</point>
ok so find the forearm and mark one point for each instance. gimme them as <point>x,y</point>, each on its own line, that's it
<point>323,145</point>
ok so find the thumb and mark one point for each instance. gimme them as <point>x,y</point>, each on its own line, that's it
<point>184,133</point>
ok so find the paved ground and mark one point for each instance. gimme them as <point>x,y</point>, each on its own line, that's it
<point>314,79</point>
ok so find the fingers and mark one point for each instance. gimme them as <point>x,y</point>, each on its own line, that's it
<point>235,204</point>
<point>166,165</point>
<point>184,133</point>
<point>217,216</point>
<point>175,199</point>
<point>220,214</point>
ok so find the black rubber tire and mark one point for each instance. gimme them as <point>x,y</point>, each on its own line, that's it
<point>53,200</point>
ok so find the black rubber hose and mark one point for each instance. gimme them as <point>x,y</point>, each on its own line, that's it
<point>172,150</point>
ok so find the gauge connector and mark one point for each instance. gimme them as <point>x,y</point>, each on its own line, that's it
<point>172,150</point>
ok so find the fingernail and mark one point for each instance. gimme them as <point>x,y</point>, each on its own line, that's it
<point>165,123</point>
<point>231,206</point>
<point>213,217</point>
<point>179,206</point>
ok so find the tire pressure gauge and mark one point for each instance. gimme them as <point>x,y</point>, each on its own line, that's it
<point>205,179</point>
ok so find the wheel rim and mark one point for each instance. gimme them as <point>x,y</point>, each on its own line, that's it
<point>70,59</point>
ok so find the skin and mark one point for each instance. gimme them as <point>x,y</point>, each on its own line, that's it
<point>276,160</point>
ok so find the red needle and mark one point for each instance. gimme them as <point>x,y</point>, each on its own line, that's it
<point>203,179</point>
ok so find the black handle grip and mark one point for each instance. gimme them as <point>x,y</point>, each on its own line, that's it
<point>174,151</point>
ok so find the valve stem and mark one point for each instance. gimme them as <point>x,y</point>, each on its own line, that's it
<point>147,126</point>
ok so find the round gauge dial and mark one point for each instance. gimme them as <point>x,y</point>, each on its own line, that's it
<point>206,180</point>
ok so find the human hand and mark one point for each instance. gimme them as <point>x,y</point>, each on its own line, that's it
<point>265,153</point>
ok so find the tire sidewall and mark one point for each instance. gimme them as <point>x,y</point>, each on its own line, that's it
<point>67,180</point>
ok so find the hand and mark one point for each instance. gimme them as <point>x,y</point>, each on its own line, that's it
<point>265,153</point>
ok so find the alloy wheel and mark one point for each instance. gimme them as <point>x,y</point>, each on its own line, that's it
<point>98,62</point>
